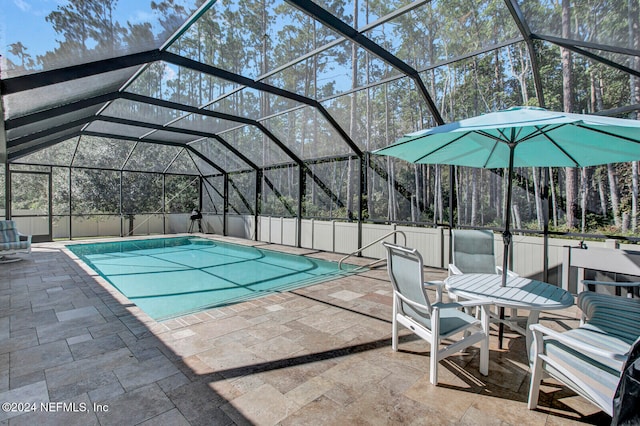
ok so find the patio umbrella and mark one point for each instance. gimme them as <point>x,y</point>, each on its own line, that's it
<point>522,137</point>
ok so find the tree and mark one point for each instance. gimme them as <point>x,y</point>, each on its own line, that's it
<point>567,96</point>
<point>20,50</point>
<point>634,83</point>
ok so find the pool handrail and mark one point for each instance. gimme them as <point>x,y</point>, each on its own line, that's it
<point>369,245</point>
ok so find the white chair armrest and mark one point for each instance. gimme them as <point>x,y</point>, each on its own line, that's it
<point>450,305</point>
<point>464,304</point>
<point>24,237</point>
<point>454,270</point>
<point>585,349</point>
<point>509,273</point>
<point>411,302</point>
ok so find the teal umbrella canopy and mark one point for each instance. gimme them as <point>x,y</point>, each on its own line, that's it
<point>538,137</point>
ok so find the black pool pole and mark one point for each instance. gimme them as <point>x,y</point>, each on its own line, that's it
<point>506,235</point>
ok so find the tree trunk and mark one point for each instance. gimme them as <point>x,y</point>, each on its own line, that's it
<point>634,195</point>
<point>315,189</point>
<point>436,183</point>
<point>457,177</point>
<point>634,40</point>
<point>416,175</point>
<point>613,194</point>
<point>264,101</point>
<point>527,191</point>
<point>554,199</point>
<point>475,196</point>
<point>437,194</point>
<point>391,214</point>
<point>584,179</point>
<point>315,122</point>
<point>535,171</point>
<point>567,93</point>
<point>497,202</point>
<point>482,210</point>
<point>602,195</point>
<point>426,184</point>
<point>515,212</point>
<point>466,176</point>
<point>352,115</point>
<point>371,183</point>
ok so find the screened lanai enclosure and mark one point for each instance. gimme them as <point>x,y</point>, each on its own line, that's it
<point>120,117</point>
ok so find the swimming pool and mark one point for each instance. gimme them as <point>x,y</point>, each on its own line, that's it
<point>167,277</point>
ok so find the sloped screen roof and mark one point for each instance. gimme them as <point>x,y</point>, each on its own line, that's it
<point>236,85</point>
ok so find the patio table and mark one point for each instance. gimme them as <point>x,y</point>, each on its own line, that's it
<point>519,293</point>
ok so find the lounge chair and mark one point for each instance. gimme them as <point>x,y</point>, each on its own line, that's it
<point>433,322</point>
<point>591,359</point>
<point>12,241</point>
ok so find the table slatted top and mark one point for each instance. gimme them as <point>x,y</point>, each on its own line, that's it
<point>523,293</point>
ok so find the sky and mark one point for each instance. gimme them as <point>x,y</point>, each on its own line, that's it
<point>24,20</point>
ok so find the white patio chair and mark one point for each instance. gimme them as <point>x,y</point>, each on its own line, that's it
<point>474,253</point>
<point>437,321</point>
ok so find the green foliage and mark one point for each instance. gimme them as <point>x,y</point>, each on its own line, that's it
<point>95,191</point>
<point>181,193</point>
<point>2,190</point>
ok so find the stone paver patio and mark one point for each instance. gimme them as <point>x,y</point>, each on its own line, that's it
<point>74,351</point>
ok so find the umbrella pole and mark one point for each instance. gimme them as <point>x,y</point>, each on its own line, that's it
<point>506,238</point>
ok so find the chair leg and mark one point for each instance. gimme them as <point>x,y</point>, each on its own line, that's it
<point>394,334</point>
<point>484,345</point>
<point>534,386</point>
<point>394,324</point>
<point>433,367</point>
<point>435,350</point>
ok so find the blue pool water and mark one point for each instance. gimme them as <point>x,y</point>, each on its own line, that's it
<point>168,277</point>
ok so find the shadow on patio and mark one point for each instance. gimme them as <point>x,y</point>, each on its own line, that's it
<point>317,355</point>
